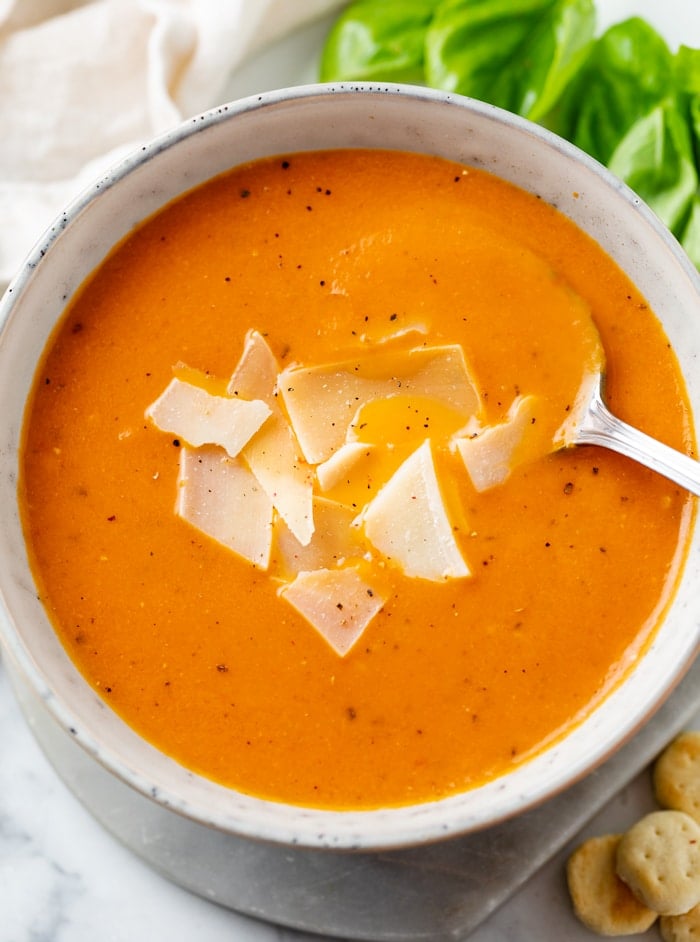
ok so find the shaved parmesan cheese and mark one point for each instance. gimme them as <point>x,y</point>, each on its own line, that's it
<point>255,375</point>
<point>334,541</point>
<point>222,498</point>
<point>322,401</point>
<point>357,470</point>
<point>288,481</point>
<point>273,454</point>
<point>338,603</point>
<point>490,454</point>
<point>342,464</point>
<point>407,521</point>
<point>199,418</point>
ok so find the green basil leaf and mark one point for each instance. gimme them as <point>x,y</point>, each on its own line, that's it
<point>656,159</point>
<point>690,236</point>
<point>687,70</point>
<point>377,41</point>
<point>694,119</point>
<point>629,71</point>
<point>518,54</point>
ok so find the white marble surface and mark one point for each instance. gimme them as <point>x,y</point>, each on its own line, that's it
<point>64,879</point>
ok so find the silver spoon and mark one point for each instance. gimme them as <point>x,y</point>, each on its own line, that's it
<point>590,422</point>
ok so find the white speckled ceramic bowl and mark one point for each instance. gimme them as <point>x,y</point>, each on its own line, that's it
<point>128,784</point>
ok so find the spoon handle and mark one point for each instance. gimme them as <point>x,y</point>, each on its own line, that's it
<point>601,427</point>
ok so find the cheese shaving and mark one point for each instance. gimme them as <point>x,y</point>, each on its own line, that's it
<point>342,464</point>
<point>221,497</point>
<point>338,603</point>
<point>407,521</point>
<point>199,418</point>
<point>490,453</point>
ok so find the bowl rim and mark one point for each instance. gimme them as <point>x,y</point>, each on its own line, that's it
<point>276,822</point>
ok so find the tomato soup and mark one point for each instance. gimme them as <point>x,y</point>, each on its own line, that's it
<point>488,615</point>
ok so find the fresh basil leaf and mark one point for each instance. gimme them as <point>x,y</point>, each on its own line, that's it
<point>629,71</point>
<point>518,54</point>
<point>687,70</point>
<point>689,75</point>
<point>690,236</point>
<point>658,156</point>
<point>656,159</point>
<point>694,118</point>
<point>378,41</point>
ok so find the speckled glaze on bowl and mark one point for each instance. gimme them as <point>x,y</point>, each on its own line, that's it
<point>91,747</point>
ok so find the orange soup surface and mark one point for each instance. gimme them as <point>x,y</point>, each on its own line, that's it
<point>414,616</point>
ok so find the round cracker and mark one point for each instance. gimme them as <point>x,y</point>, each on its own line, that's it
<point>659,859</point>
<point>683,928</point>
<point>601,900</point>
<point>676,775</point>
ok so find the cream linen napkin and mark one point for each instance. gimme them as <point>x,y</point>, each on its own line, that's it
<point>84,82</point>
